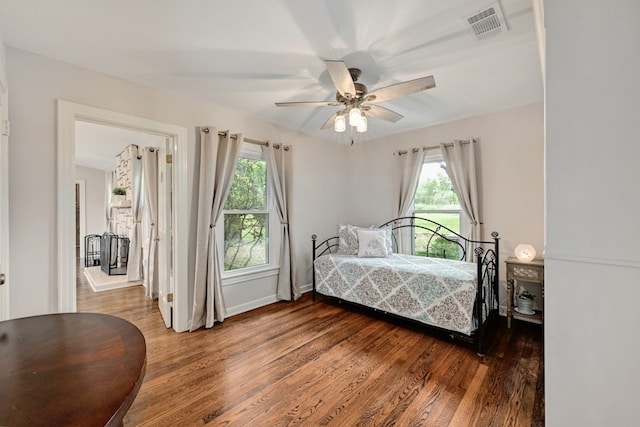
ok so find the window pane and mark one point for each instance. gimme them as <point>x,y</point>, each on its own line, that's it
<point>426,243</point>
<point>245,240</point>
<point>451,220</point>
<point>434,189</point>
<point>436,200</point>
<point>249,188</point>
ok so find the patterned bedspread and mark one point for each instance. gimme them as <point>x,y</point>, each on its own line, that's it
<point>434,291</point>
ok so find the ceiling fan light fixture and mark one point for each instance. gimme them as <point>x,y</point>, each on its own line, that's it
<point>362,126</point>
<point>354,98</point>
<point>355,116</point>
<point>340,123</point>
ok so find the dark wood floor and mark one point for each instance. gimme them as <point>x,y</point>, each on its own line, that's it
<point>316,364</point>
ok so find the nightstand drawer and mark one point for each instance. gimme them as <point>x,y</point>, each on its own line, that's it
<point>529,273</point>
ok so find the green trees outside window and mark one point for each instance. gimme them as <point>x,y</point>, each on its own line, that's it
<point>436,200</point>
<point>246,217</point>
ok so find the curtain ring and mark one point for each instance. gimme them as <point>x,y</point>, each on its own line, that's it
<point>205,130</point>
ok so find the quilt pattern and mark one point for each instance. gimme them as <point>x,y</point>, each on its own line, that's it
<point>434,291</point>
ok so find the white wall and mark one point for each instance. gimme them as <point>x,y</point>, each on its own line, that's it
<point>94,209</point>
<point>36,82</point>
<point>511,152</point>
<point>593,205</point>
<point>3,61</point>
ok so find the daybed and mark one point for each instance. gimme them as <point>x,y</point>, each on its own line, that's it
<point>361,266</point>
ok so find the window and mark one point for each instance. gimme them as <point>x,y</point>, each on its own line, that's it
<point>435,200</point>
<point>246,216</point>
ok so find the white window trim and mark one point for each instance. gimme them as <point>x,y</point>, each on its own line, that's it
<point>272,268</point>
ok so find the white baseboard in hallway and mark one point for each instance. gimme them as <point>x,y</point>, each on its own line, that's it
<point>101,281</point>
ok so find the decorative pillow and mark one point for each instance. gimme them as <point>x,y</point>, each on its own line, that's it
<point>348,239</point>
<point>348,242</point>
<point>372,243</point>
<point>388,238</point>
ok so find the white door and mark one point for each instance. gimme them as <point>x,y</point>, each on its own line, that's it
<point>4,205</point>
<point>164,262</point>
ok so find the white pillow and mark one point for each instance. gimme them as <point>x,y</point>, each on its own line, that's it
<point>372,243</point>
<point>348,242</point>
<point>388,238</point>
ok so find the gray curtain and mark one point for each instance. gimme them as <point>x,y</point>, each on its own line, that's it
<point>460,159</point>
<point>109,198</point>
<point>134,264</point>
<point>218,160</point>
<point>279,163</point>
<point>411,165</point>
<point>150,180</point>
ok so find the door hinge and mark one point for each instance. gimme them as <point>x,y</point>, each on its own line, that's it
<point>6,127</point>
<point>169,159</point>
<point>169,297</point>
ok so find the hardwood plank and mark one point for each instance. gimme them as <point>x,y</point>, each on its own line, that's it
<point>305,363</point>
<point>467,411</point>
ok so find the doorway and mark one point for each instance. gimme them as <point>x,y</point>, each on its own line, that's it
<point>68,113</point>
<point>109,158</point>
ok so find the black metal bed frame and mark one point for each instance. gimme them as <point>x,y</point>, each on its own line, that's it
<point>486,254</point>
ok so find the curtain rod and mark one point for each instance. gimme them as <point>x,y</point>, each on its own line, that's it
<point>249,140</point>
<point>433,147</point>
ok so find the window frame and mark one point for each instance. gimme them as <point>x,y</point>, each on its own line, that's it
<point>435,158</point>
<point>231,277</point>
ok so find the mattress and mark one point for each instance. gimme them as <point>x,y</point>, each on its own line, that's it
<point>433,291</point>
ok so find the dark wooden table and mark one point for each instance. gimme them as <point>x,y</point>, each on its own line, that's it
<point>73,369</point>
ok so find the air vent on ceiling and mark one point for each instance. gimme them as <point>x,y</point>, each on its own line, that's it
<point>487,23</point>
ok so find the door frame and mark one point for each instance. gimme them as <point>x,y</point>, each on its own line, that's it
<point>82,218</point>
<point>67,114</point>
<point>4,200</point>
<point>163,227</point>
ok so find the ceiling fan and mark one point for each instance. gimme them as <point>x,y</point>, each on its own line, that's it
<point>357,102</point>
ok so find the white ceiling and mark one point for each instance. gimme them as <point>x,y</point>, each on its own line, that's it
<point>248,54</point>
<point>98,145</point>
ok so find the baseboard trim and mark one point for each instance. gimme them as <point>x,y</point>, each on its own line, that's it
<point>260,302</point>
<point>251,305</point>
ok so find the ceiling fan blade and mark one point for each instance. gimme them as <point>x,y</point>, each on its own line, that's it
<point>341,78</point>
<point>382,113</point>
<point>308,104</point>
<point>401,89</point>
<point>329,123</point>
